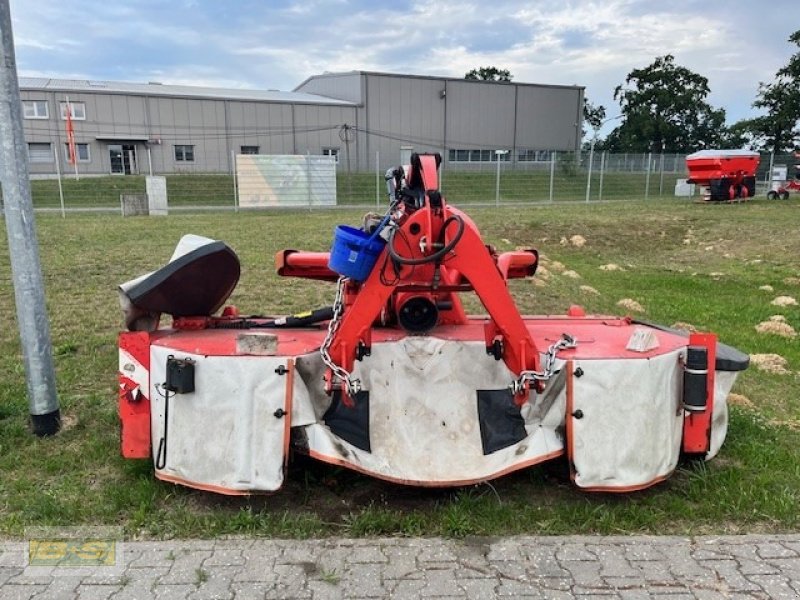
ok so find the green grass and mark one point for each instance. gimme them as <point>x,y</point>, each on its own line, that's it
<point>712,282</point>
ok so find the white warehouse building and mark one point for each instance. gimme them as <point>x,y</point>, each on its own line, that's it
<point>129,128</point>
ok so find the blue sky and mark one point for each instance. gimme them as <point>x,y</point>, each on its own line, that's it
<point>277,44</point>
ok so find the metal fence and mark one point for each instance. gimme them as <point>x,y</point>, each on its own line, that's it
<point>547,177</point>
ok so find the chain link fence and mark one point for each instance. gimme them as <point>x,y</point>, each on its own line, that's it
<point>491,178</point>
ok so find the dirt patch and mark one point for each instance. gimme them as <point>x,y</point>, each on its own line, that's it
<point>578,241</point>
<point>589,290</point>
<point>774,327</point>
<point>557,267</point>
<point>778,318</point>
<point>716,275</point>
<point>784,301</point>
<point>688,327</point>
<point>543,272</point>
<point>68,421</point>
<point>792,281</point>
<point>631,305</point>
<point>770,363</point>
<point>790,423</point>
<point>610,267</point>
<point>571,274</point>
<point>740,400</point>
<point>766,288</point>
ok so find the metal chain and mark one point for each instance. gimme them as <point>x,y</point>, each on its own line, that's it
<point>548,369</point>
<point>353,385</point>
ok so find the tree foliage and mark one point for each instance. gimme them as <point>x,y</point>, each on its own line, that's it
<point>778,129</point>
<point>593,115</point>
<point>664,107</point>
<point>489,74</point>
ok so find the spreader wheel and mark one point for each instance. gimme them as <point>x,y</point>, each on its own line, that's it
<point>784,195</point>
<point>772,195</point>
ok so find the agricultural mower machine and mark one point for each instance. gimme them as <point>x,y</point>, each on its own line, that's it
<point>724,175</point>
<point>395,380</point>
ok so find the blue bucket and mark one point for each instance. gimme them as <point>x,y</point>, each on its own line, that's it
<point>354,252</point>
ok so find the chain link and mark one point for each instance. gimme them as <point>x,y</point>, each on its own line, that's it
<point>352,385</point>
<point>548,368</point>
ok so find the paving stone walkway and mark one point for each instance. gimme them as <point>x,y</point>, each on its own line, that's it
<point>631,567</point>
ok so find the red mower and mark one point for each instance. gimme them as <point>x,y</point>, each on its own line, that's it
<point>395,380</point>
<point>724,175</point>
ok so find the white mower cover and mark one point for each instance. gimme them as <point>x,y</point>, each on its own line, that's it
<point>424,428</point>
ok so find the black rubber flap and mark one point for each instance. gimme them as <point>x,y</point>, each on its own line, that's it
<point>350,424</point>
<point>500,420</point>
<point>196,284</point>
<point>728,357</point>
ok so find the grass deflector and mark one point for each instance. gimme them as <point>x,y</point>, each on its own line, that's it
<point>395,380</point>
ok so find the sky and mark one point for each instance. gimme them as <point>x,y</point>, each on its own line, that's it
<point>277,44</point>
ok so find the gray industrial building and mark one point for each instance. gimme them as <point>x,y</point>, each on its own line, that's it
<point>123,128</point>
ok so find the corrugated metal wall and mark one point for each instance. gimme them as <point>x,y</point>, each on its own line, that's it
<point>391,112</point>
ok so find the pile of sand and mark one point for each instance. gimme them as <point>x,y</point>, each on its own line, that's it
<point>571,274</point>
<point>543,272</point>
<point>557,266</point>
<point>766,288</point>
<point>739,400</point>
<point>610,267</point>
<point>631,305</point>
<point>578,241</point>
<point>589,290</point>
<point>688,327</point>
<point>784,301</point>
<point>770,363</point>
<point>776,325</point>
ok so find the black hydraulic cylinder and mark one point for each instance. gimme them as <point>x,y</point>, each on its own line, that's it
<point>695,379</point>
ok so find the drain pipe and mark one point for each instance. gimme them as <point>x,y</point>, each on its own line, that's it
<point>23,247</point>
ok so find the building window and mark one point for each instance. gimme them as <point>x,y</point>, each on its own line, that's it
<point>40,153</point>
<point>533,155</point>
<point>184,153</point>
<point>476,156</point>
<point>78,110</point>
<point>334,152</point>
<point>248,149</point>
<point>34,109</point>
<point>81,151</point>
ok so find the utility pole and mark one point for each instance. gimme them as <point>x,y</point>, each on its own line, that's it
<point>26,270</point>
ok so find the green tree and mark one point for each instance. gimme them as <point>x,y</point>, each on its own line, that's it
<point>489,74</point>
<point>593,115</point>
<point>778,130</point>
<point>664,107</point>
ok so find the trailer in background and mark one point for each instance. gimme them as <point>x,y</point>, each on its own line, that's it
<point>724,175</point>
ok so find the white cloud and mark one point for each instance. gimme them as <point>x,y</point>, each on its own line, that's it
<point>590,43</point>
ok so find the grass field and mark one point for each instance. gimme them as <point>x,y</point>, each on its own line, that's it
<point>698,264</point>
<point>569,185</point>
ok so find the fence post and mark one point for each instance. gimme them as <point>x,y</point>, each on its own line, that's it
<point>602,171</point>
<point>589,176</point>
<point>60,187</point>
<point>661,177</point>
<point>235,183</point>
<point>647,177</point>
<point>377,178</point>
<point>552,171</point>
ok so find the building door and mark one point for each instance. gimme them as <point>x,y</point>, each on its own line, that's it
<point>122,158</point>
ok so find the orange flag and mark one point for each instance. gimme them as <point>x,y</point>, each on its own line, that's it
<point>70,136</point>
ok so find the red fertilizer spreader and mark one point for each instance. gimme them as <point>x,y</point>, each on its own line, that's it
<point>724,175</point>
